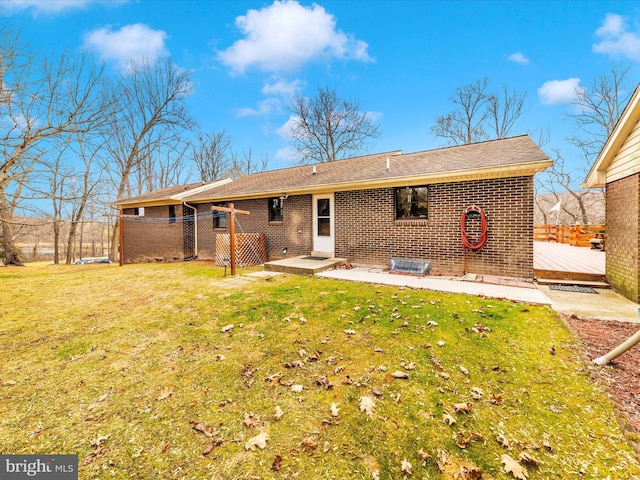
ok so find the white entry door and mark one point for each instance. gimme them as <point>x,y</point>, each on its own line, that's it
<point>323,226</point>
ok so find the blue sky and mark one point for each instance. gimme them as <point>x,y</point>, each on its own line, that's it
<point>401,60</point>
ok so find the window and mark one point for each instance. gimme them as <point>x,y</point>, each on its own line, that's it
<point>324,217</point>
<point>172,214</point>
<point>411,202</point>
<point>275,209</point>
<point>138,211</point>
<point>219,218</point>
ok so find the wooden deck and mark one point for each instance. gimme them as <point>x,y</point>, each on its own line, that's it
<point>557,261</point>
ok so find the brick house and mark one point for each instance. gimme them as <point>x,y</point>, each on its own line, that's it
<point>617,169</point>
<point>365,209</point>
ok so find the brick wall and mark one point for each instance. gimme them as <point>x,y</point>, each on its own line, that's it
<point>294,232</point>
<point>367,232</point>
<point>151,237</point>
<point>366,229</point>
<point>623,229</point>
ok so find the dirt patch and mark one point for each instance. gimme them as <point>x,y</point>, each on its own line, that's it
<point>622,375</point>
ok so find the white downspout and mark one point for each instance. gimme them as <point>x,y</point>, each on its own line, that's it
<point>195,229</point>
<point>620,349</point>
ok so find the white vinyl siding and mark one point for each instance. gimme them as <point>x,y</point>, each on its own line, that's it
<point>626,161</point>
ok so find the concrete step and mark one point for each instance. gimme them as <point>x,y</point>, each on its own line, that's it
<point>304,265</point>
<point>569,276</point>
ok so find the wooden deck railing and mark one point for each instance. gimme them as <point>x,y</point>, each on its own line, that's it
<point>576,235</point>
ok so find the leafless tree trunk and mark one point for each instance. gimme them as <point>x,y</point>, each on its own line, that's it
<point>326,127</point>
<point>151,117</point>
<point>82,193</point>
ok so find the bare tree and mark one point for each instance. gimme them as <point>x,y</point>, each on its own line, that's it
<point>151,118</point>
<point>86,185</point>
<point>326,127</point>
<point>578,205</point>
<point>243,165</point>
<point>41,101</point>
<point>465,124</point>
<point>479,114</point>
<point>210,152</point>
<point>596,111</point>
<point>503,110</point>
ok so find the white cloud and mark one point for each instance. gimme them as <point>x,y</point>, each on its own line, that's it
<point>44,6</point>
<point>518,57</point>
<point>287,153</point>
<point>286,35</point>
<point>52,7</point>
<point>285,129</point>
<point>616,40</point>
<point>265,107</point>
<point>612,25</point>
<point>558,91</point>
<point>129,42</point>
<point>282,88</point>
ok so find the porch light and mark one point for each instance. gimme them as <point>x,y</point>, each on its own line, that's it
<point>284,196</point>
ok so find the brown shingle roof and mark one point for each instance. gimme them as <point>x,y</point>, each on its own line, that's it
<point>493,159</point>
<point>507,157</point>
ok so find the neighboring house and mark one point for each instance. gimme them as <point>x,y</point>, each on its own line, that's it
<point>617,168</point>
<point>365,209</point>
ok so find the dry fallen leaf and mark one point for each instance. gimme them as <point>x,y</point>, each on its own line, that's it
<point>514,468</point>
<point>276,466</point>
<point>202,427</point>
<point>297,388</point>
<point>166,392</point>
<point>453,468</point>
<point>448,419</point>
<point>527,459</point>
<point>278,413</point>
<point>367,405</point>
<point>248,420</point>
<point>259,441</point>
<point>399,374</point>
<point>227,328</point>
<point>406,467</point>
<point>309,443</point>
<point>477,393</point>
<point>334,409</point>
<point>462,439</point>
<point>211,446</point>
<point>464,370</point>
<point>424,455</point>
<point>326,447</point>
<point>465,407</point>
<point>504,441</point>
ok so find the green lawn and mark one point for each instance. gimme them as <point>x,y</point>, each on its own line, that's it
<point>129,367</point>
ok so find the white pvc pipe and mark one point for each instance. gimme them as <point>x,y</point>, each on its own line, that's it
<point>620,349</point>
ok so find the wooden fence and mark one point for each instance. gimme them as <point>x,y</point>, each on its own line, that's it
<point>576,235</point>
